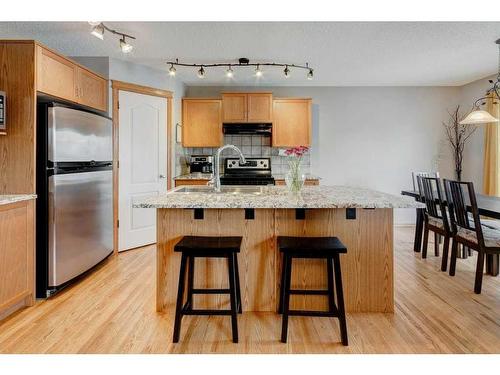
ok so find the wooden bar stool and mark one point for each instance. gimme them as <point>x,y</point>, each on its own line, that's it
<point>193,247</point>
<point>327,248</point>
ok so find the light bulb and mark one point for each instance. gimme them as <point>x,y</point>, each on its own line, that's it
<point>201,73</point>
<point>229,72</point>
<point>172,70</point>
<point>310,74</point>
<point>98,31</point>
<point>258,72</point>
<point>126,47</point>
<point>286,71</point>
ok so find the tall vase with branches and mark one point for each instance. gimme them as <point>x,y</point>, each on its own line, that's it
<point>457,136</point>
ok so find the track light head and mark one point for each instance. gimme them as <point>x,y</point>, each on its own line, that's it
<point>229,72</point>
<point>201,73</point>
<point>172,71</point>
<point>98,31</point>
<point>287,72</point>
<point>126,47</point>
<point>258,72</point>
<point>310,75</point>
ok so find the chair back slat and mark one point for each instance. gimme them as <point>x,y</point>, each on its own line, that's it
<point>415,175</point>
<point>456,194</point>
<point>434,199</point>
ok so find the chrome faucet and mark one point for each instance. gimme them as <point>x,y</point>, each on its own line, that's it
<point>216,180</point>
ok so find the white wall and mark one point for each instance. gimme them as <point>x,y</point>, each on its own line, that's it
<point>372,136</point>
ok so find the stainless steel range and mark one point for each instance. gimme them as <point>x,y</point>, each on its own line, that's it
<point>256,171</point>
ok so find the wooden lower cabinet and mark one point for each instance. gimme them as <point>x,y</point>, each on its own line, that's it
<point>181,182</point>
<point>17,256</point>
<point>367,268</point>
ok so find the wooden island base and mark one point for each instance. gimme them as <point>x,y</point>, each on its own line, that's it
<point>367,268</point>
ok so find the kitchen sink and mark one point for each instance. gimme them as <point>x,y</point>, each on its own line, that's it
<point>252,190</point>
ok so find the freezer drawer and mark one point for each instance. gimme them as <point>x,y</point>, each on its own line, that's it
<point>80,223</point>
<point>75,135</point>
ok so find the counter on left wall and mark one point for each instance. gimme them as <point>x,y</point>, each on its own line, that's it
<point>12,198</point>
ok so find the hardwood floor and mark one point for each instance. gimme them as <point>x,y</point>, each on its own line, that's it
<point>113,311</point>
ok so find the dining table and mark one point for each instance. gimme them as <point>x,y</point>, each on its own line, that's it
<point>488,206</point>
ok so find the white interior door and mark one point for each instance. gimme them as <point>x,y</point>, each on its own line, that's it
<point>142,165</point>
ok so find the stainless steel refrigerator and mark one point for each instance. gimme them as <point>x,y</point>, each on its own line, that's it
<point>75,194</point>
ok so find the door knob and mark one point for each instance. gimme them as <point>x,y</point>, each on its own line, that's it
<point>162,176</point>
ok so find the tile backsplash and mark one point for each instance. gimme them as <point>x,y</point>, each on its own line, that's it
<point>250,145</point>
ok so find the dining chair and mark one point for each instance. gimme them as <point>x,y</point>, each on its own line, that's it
<point>467,232</point>
<point>435,217</point>
<point>415,175</point>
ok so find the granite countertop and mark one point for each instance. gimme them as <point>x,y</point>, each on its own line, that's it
<point>195,176</point>
<point>279,197</point>
<point>12,198</point>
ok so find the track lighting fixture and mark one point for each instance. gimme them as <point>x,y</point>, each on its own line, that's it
<point>242,63</point>
<point>286,71</point>
<point>126,48</point>
<point>98,29</point>
<point>478,115</point>
<point>258,72</point>
<point>201,72</point>
<point>172,70</point>
<point>310,74</point>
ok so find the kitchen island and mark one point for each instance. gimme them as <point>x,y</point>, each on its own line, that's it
<point>361,218</point>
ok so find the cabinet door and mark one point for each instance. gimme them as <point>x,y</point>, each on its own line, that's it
<point>92,90</point>
<point>56,76</point>
<point>16,255</point>
<point>291,122</point>
<point>260,107</point>
<point>201,122</point>
<point>234,108</point>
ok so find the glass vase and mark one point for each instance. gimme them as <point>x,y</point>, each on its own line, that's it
<point>294,178</point>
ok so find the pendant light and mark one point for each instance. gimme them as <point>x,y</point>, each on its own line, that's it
<point>229,72</point>
<point>172,71</point>
<point>126,47</point>
<point>201,73</point>
<point>258,72</point>
<point>478,115</point>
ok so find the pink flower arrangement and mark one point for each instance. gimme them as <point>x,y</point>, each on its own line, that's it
<point>297,151</point>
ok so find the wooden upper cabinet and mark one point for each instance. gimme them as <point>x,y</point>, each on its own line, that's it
<point>234,107</point>
<point>291,122</point>
<point>202,123</point>
<point>92,90</point>
<point>260,107</point>
<point>60,77</point>
<point>247,107</point>
<point>56,75</point>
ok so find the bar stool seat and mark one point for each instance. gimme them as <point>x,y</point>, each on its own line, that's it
<point>327,248</point>
<point>193,247</point>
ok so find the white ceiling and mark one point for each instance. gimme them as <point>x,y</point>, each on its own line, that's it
<point>341,53</point>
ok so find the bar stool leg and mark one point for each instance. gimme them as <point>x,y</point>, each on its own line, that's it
<point>340,299</point>
<point>286,298</point>
<point>331,293</point>
<point>190,282</point>
<point>232,293</point>
<point>180,295</point>
<point>282,285</point>
<point>238,290</point>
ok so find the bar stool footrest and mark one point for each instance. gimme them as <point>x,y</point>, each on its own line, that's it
<point>210,291</point>
<point>309,292</point>
<point>205,312</point>
<point>326,314</point>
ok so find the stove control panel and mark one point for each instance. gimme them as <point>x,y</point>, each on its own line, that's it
<point>251,163</point>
